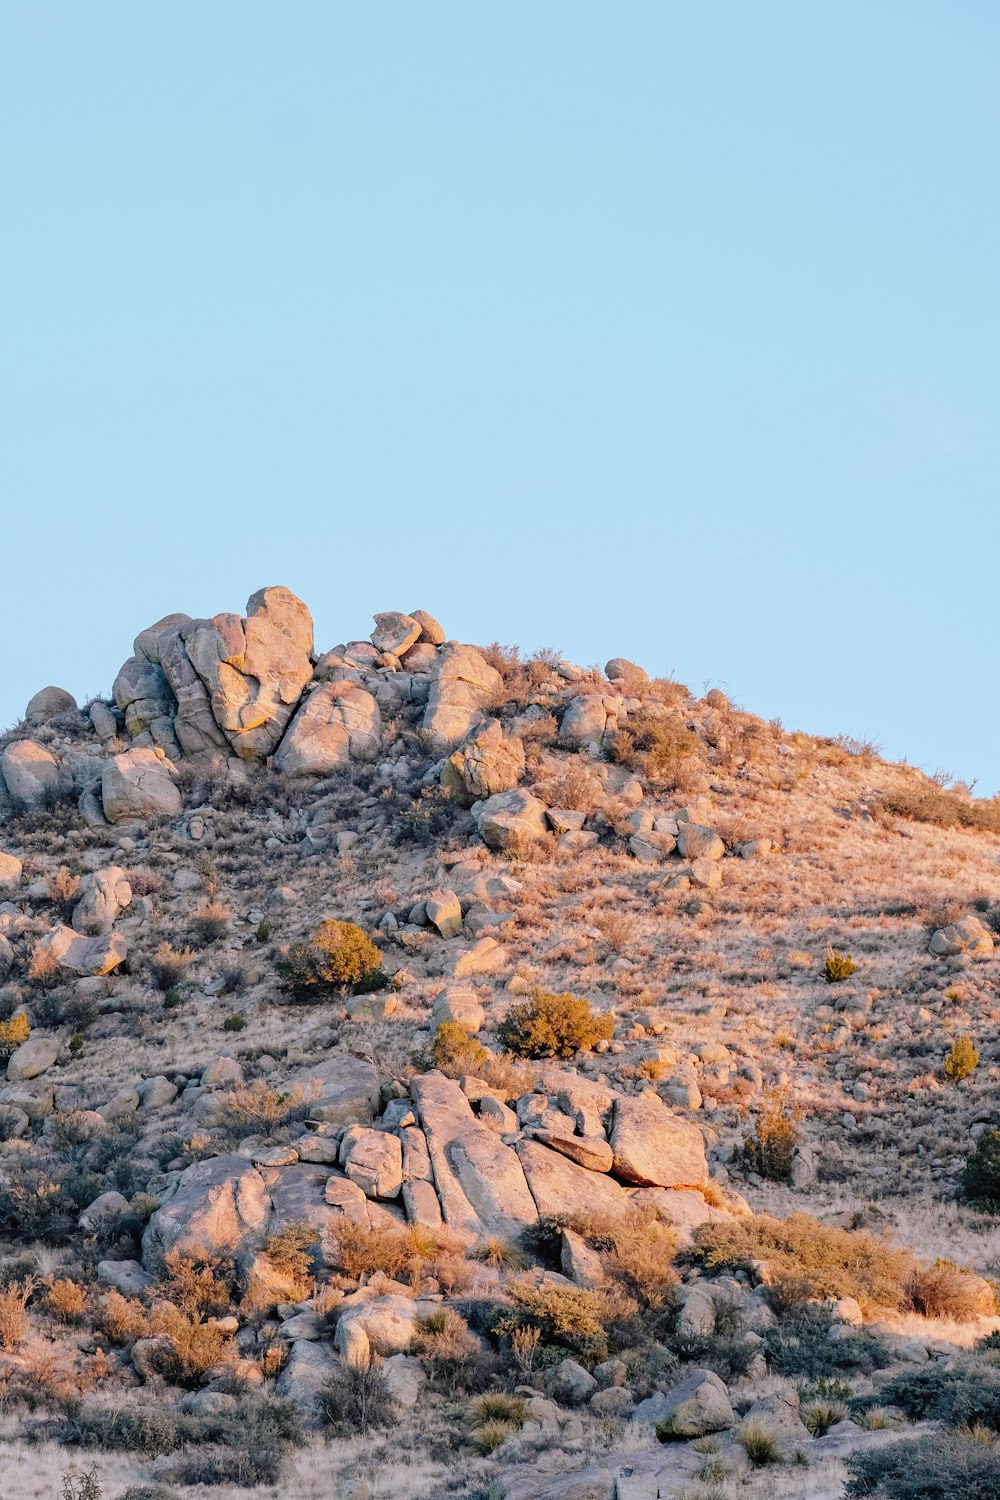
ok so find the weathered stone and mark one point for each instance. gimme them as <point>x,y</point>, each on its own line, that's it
<point>695,841</point>
<point>340,1090</point>
<point>592,1152</point>
<point>10,873</point>
<point>416,1158</point>
<point>653,1147</point>
<point>620,669</point>
<point>485,956</point>
<point>560,1186</point>
<point>338,723</point>
<point>373,1159</point>
<point>444,911</point>
<point>458,1003</point>
<point>431,633</point>
<point>462,685</point>
<point>105,1206</point>
<point>395,632</point>
<point>104,895</point>
<point>579,1262</point>
<point>220,1208</point>
<point>88,956</point>
<point>967,935</point>
<point>383,1326</point>
<point>697,1406</point>
<point>405,1376</point>
<point>155,1093</point>
<point>32,1058</point>
<point>139,784</point>
<point>222,1073</point>
<point>486,763</point>
<point>422,1204</point>
<point>509,819</point>
<point>571,1383</point>
<point>30,772</point>
<point>126,1276</point>
<point>590,719</point>
<point>47,703</point>
<point>307,1369</point>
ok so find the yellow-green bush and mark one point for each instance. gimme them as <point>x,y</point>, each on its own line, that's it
<point>456,1053</point>
<point>339,956</point>
<point>12,1034</point>
<point>551,1025</point>
<point>768,1150</point>
<point>961,1059</point>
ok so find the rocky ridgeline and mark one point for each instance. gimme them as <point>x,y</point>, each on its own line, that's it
<point>556,771</point>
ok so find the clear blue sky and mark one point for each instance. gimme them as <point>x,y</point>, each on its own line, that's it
<point>667,330</point>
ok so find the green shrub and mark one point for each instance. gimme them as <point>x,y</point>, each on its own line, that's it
<point>800,1345</point>
<point>941,1466</point>
<point>568,1319</point>
<point>981,1177</point>
<point>770,1148</point>
<point>357,1399</point>
<point>837,966</point>
<point>961,1059</point>
<point>663,746</point>
<point>338,957</point>
<point>965,1397</point>
<point>551,1025</point>
<point>235,1022</point>
<point>456,1053</point>
<point>498,1406</point>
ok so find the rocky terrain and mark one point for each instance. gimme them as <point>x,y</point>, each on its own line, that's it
<point>435,1073</point>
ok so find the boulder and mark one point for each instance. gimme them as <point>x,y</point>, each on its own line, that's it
<point>10,874</point>
<point>422,1204</point>
<point>373,1159</point>
<point>404,1375</point>
<point>488,761</point>
<point>458,1003</point>
<point>106,1206</point>
<point>559,1186</point>
<point>222,1073</point>
<point>444,911</point>
<point>509,819</point>
<point>431,633</point>
<point>220,1208</point>
<point>86,956</point>
<point>485,956</point>
<point>620,669</point>
<point>139,784</point>
<point>967,935</point>
<point>104,895</point>
<point>31,773</point>
<point>697,1406</point>
<point>339,722</point>
<point>395,633</point>
<point>340,1090</point>
<point>579,1262</point>
<point>695,841</point>
<point>479,1179</point>
<point>306,1371</point>
<point>590,1151</point>
<point>32,1058</point>
<point>141,691</point>
<point>590,719</point>
<point>654,1148</point>
<point>125,1276</point>
<point>47,703</point>
<point>382,1326</point>
<point>571,1383</point>
<point>462,685</point>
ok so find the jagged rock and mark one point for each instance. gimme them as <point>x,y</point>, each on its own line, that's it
<point>967,935</point>
<point>592,1152</point>
<point>653,1147</point>
<point>487,762</point>
<point>31,773</point>
<point>338,722</point>
<point>141,691</point>
<point>10,873</point>
<point>590,719</point>
<point>395,633</point>
<point>373,1160</point>
<point>510,818</point>
<point>84,955</point>
<point>444,911</point>
<point>479,1180</point>
<point>47,703</point>
<point>559,1186</point>
<point>139,784</point>
<point>462,685</point>
<point>32,1058</point>
<point>220,1208</point>
<point>194,724</point>
<point>697,1406</point>
<point>104,895</point>
<point>579,1262</point>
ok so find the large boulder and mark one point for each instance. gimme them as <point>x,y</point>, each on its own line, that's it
<point>83,955</point>
<point>254,668</point>
<point>510,819</point>
<point>220,1208</point>
<point>462,686</point>
<point>340,1090</point>
<point>305,1373</point>
<point>559,1186</point>
<point>479,1179</point>
<point>338,722</point>
<point>195,728</point>
<point>32,1058</point>
<point>695,841</point>
<point>104,895</point>
<point>590,719</point>
<point>967,935</point>
<point>143,693</point>
<point>30,771</point>
<point>10,873</point>
<point>139,784</point>
<point>47,703</point>
<point>395,633</point>
<point>487,761</point>
<point>383,1326</point>
<point>654,1148</point>
<point>373,1160</point>
<point>697,1406</point>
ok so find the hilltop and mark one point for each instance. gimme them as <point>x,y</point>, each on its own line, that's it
<point>432,1072</point>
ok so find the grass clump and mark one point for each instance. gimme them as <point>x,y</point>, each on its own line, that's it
<point>338,958</point>
<point>550,1025</point>
<point>837,966</point>
<point>760,1444</point>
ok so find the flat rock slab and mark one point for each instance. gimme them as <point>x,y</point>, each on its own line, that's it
<point>559,1186</point>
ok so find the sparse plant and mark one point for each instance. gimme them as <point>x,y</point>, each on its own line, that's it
<point>14,1298</point>
<point>961,1059</point>
<point>235,1022</point>
<point>357,1399</point>
<point>770,1147</point>
<point>62,888</point>
<point>211,920</point>
<point>66,1300</point>
<point>837,966</point>
<point>81,1484</point>
<point>169,965</point>
<point>760,1443</point>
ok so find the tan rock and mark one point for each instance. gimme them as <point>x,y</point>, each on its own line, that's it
<point>652,1147</point>
<point>462,685</point>
<point>30,771</point>
<point>219,1209</point>
<point>592,1152</point>
<point>139,784</point>
<point>338,722</point>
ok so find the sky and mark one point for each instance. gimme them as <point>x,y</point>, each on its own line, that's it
<point>662,330</point>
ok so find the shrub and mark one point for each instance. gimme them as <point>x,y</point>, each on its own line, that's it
<point>211,920</point>
<point>149,1430</point>
<point>981,1177</point>
<point>944,1290</point>
<point>761,1445</point>
<point>14,1312</point>
<point>62,888</point>
<point>339,957</point>
<point>196,1285</point>
<point>498,1406</point>
<point>820,1416</point>
<point>488,1437</point>
<point>942,1466</point>
<point>637,1249</point>
<point>821,1260</point>
<point>448,1348</point>
<point>356,1399</point>
<point>933,804</point>
<point>236,1022</point>
<point>289,1252</point>
<point>66,1300</point>
<point>551,1025</point>
<point>456,1053</point>
<point>257,1109</point>
<point>663,746</point>
<point>837,966</point>
<point>567,1318</point>
<point>398,1251</point>
<point>169,965</point>
<point>190,1347</point>
<point>12,1034</point>
<point>775,1136</point>
<point>81,1484</point>
<point>800,1345</point>
<point>961,1059</point>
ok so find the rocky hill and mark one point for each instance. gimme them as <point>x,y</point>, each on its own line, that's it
<point>431,1072</point>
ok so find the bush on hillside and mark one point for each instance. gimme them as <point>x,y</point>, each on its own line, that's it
<point>981,1177</point>
<point>551,1025</point>
<point>961,1059</point>
<point>769,1149</point>
<point>455,1053</point>
<point>339,957</point>
<point>941,1466</point>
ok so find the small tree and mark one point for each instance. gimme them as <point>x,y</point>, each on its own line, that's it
<point>775,1136</point>
<point>981,1178</point>
<point>456,1053</point>
<point>550,1025</point>
<point>961,1059</point>
<point>338,957</point>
